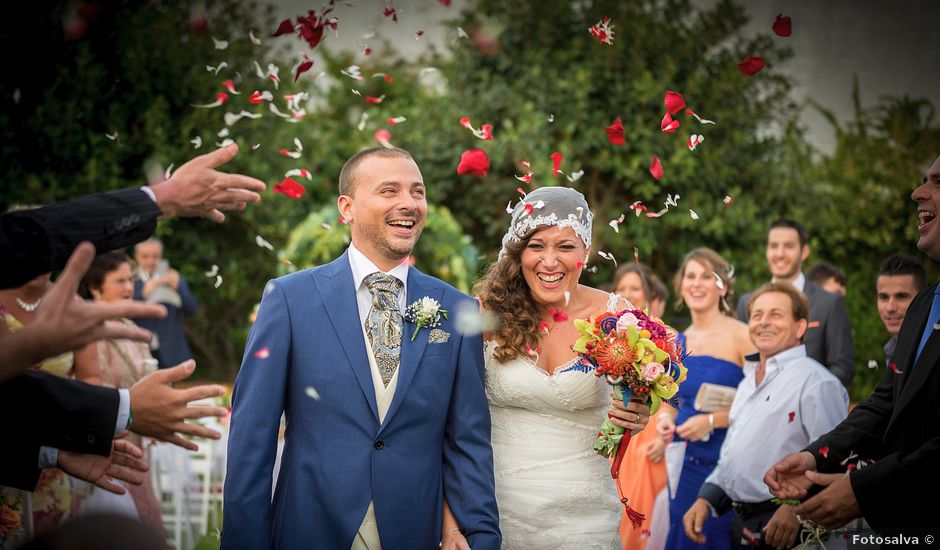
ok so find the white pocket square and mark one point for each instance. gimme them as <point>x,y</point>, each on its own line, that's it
<point>438,336</point>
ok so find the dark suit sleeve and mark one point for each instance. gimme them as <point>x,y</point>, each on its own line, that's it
<point>861,432</point>
<point>65,414</point>
<point>37,241</point>
<point>19,462</point>
<point>469,482</point>
<point>189,303</point>
<point>840,353</point>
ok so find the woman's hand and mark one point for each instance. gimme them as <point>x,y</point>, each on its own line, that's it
<point>695,428</point>
<point>656,449</point>
<point>454,540</point>
<point>634,416</point>
<point>666,427</point>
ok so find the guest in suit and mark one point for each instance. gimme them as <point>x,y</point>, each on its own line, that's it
<point>900,278</point>
<point>381,427</point>
<point>156,282</point>
<point>828,277</point>
<point>896,427</point>
<point>40,240</point>
<point>829,336</point>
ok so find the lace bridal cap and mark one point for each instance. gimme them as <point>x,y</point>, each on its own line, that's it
<point>559,206</point>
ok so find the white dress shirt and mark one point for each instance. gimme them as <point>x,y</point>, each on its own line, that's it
<point>367,537</point>
<point>797,401</point>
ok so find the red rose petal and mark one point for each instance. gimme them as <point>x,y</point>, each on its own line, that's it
<point>263,353</point>
<point>557,314</point>
<point>383,136</point>
<point>790,416</point>
<point>290,188</point>
<point>668,124</point>
<point>824,451</point>
<point>656,168</point>
<point>751,65</point>
<point>465,122</point>
<point>579,265</point>
<point>222,97</point>
<point>615,133</point>
<point>529,208</point>
<point>473,162</point>
<point>286,27</point>
<point>388,78</point>
<point>303,67</point>
<point>375,100</point>
<point>556,163</point>
<point>782,25</point>
<point>674,102</point>
<point>391,12</point>
<point>487,130</point>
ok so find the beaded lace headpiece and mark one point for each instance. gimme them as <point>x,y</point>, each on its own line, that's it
<point>558,206</point>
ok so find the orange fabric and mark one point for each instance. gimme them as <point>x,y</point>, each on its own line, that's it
<point>641,480</point>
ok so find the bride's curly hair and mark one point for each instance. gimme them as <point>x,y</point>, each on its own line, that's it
<point>503,292</point>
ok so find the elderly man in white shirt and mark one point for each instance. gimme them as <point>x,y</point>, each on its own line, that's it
<point>786,401</point>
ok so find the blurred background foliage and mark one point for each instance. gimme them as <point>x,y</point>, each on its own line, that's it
<point>543,82</point>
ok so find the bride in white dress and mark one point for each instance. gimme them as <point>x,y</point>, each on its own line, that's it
<point>552,490</point>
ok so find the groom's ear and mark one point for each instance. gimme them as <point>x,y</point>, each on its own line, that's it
<point>344,205</point>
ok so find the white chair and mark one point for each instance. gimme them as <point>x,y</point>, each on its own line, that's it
<point>169,471</point>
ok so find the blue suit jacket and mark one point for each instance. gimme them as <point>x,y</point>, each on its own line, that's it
<point>435,440</point>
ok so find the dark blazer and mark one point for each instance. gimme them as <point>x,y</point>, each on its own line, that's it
<point>829,336</point>
<point>37,241</point>
<point>897,427</point>
<point>41,409</point>
<point>174,348</point>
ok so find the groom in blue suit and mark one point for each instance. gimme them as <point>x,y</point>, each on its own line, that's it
<point>381,428</point>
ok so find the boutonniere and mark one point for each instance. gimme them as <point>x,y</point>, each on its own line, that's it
<point>424,313</point>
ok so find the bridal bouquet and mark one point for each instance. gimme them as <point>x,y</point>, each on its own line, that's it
<point>642,360</point>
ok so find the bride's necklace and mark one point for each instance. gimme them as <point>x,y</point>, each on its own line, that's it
<point>28,306</point>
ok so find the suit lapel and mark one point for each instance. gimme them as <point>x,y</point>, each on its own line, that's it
<point>913,375</point>
<point>419,286</point>
<point>335,284</point>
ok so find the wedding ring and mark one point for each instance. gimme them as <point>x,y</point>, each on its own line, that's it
<point>637,419</point>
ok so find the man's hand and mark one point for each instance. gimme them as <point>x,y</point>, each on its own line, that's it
<point>196,189</point>
<point>787,478</point>
<point>172,279</point>
<point>694,520</point>
<point>633,416</point>
<point>63,322</point>
<point>835,505</point>
<point>124,463</point>
<point>782,529</point>
<point>160,411</point>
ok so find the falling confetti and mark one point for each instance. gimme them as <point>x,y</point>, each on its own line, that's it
<point>216,70</point>
<point>872,364</point>
<point>694,141</point>
<point>293,154</point>
<point>751,65</point>
<point>718,281</point>
<point>219,44</point>
<point>673,101</point>
<point>790,416</point>
<point>254,40</point>
<point>656,168</point>
<point>112,137</point>
<point>290,188</point>
<point>312,393</point>
<point>375,100</point>
<point>556,163</point>
<point>395,120</point>
<point>213,271</point>
<point>783,26</point>
<point>607,256</point>
<point>303,67</point>
<point>668,124</point>
<point>473,162</point>
<point>575,176</point>
<point>197,142</point>
<point>824,451</point>
<point>692,214</point>
<point>567,297</point>
<point>603,31</point>
<point>299,173</point>
<point>615,133</point>
<point>263,353</point>
<point>485,132</point>
<point>615,224</point>
<point>729,200</point>
<point>384,137</point>
<point>261,242</point>
<point>557,315</point>
<point>220,98</point>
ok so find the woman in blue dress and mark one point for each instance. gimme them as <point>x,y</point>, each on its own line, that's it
<point>716,343</point>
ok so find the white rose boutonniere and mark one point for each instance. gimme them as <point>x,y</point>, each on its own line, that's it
<point>424,313</point>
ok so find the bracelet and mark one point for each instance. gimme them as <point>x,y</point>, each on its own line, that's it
<point>711,423</point>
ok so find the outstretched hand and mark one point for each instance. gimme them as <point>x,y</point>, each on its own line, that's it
<point>197,189</point>
<point>633,416</point>
<point>124,463</point>
<point>63,322</point>
<point>787,478</point>
<point>160,411</point>
<point>835,505</point>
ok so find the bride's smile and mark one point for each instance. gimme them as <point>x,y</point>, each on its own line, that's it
<point>551,264</point>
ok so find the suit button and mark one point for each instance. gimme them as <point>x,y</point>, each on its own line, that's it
<point>91,438</point>
<point>379,445</point>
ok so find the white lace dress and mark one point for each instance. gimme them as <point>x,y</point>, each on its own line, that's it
<point>552,490</point>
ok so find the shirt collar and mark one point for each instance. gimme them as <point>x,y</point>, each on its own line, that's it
<point>362,267</point>
<point>777,361</point>
<point>800,282</point>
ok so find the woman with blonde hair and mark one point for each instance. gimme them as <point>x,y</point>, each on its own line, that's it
<point>716,344</point>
